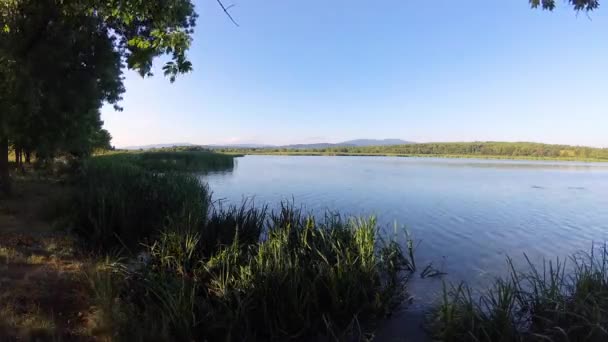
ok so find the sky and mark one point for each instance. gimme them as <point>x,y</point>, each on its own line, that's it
<point>327,71</point>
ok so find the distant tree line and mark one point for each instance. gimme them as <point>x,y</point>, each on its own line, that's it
<point>502,149</point>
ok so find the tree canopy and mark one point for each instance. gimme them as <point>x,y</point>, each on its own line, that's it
<point>61,60</point>
<point>578,5</point>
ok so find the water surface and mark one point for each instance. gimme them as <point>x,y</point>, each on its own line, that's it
<point>467,214</point>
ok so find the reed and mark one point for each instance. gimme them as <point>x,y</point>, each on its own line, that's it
<point>205,271</point>
<point>563,300</point>
<point>297,277</point>
<point>118,204</point>
<point>185,161</point>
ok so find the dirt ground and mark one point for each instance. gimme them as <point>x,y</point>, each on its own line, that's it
<point>43,291</point>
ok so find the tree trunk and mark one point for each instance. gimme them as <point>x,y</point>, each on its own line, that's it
<point>28,156</point>
<point>5,181</point>
<point>18,156</point>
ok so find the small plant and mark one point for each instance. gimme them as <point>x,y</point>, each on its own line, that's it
<point>547,304</point>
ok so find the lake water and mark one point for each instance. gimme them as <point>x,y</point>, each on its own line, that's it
<point>467,214</point>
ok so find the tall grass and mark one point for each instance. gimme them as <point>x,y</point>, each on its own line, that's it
<point>163,161</point>
<point>294,278</point>
<point>212,272</point>
<point>552,303</point>
<point>118,204</point>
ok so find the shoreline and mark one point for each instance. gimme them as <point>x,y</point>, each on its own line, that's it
<point>447,156</point>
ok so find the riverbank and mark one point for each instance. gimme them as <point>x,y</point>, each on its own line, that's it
<point>477,150</point>
<point>454,156</point>
<point>152,256</point>
<point>144,254</point>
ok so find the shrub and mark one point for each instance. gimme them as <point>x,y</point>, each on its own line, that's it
<point>118,204</point>
<point>303,279</point>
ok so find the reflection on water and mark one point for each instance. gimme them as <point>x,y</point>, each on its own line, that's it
<point>468,214</point>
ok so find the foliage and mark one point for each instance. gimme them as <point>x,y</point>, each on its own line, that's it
<point>474,149</point>
<point>209,272</point>
<point>545,304</point>
<point>61,60</point>
<point>119,203</point>
<point>578,5</point>
<point>300,278</point>
<point>161,161</point>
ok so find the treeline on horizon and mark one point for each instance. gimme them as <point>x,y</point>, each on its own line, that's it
<point>503,149</point>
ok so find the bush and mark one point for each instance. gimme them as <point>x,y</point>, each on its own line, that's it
<point>164,161</point>
<point>303,279</point>
<point>118,204</point>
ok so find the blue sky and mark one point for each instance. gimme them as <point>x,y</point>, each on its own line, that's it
<point>326,71</point>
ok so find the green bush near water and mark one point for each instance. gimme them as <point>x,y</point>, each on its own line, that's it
<point>244,273</point>
<point>209,272</point>
<point>119,203</point>
<point>163,161</point>
<point>302,279</point>
<point>549,304</point>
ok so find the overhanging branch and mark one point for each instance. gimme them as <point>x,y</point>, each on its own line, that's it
<point>225,9</point>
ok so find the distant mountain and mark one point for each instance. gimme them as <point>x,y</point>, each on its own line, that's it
<point>149,147</point>
<point>239,146</point>
<point>317,145</point>
<point>374,142</point>
<point>350,143</point>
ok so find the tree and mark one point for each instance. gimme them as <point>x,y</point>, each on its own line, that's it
<point>60,60</point>
<point>578,5</point>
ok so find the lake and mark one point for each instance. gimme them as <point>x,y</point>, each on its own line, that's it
<point>468,215</point>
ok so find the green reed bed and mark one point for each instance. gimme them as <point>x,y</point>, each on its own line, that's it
<point>190,269</point>
<point>118,203</point>
<point>563,300</point>
<point>302,278</point>
<point>163,161</point>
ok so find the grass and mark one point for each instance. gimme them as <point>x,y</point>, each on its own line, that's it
<point>31,326</point>
<point>564,300</point>
<point>185,268</point>
<point>295,277</point>
<point>183,161</point>
<point>41,298</point>
<point>204,271</point>
<point>118,204</point>
<point>10,255</point>
<point>103,278</point>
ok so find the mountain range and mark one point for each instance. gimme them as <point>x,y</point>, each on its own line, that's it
<point>351,143</point>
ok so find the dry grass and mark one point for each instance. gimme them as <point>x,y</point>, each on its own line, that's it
<point>26,323</point>
<point>43,295</point>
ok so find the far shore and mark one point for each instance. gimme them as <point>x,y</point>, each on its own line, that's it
<point>455,156</point>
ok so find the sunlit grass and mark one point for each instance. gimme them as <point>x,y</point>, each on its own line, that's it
<point>7,254</point>
<point>29,325</point>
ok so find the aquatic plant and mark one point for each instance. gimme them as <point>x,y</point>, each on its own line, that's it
<point>118,204</point>
<point>184,161</point>
<point>553,303</point>
<point>302,278</point>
